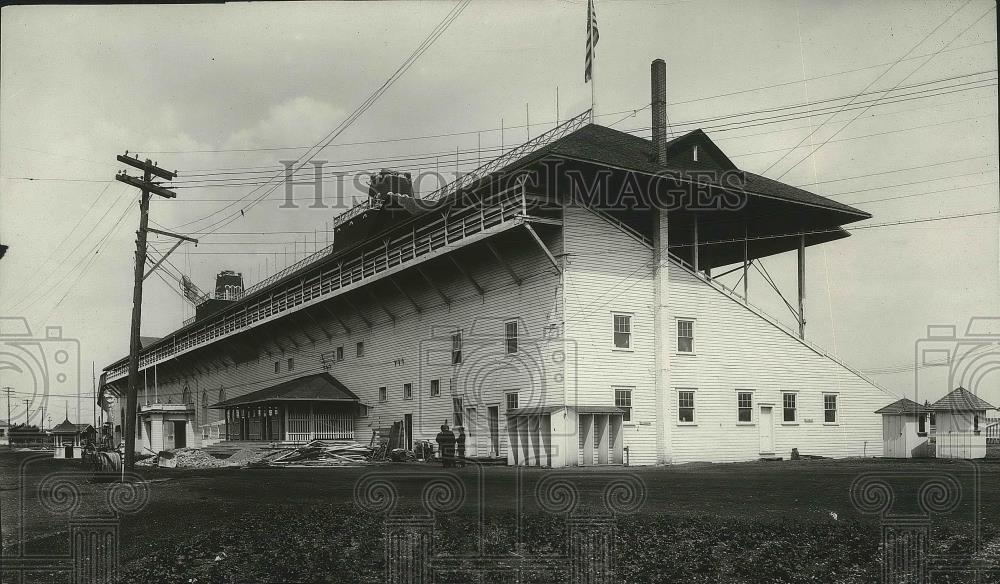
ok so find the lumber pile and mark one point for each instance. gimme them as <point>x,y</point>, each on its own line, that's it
<point>322,453</point>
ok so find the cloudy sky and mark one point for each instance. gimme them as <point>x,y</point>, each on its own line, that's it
<point>223,93</point>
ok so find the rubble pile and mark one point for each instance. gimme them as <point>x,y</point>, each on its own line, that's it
<point>322,453</point>
<point>183,458</point>
<point>253,455</point>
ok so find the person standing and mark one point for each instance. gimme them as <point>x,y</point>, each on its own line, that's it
<point>460,446</point>
<point>446,446</point>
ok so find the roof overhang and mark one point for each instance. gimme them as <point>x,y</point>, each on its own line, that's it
<point>321,387</point>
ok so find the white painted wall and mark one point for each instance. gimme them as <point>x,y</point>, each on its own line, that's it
<point>955,437</point>
<point>901,438</point>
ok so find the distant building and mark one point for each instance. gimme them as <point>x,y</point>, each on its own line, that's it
<point>961,429</point>
<point>68,439</point>
<point>905,425</point>
<point>4,429</point>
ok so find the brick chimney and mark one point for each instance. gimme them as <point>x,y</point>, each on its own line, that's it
<point>658,78</point>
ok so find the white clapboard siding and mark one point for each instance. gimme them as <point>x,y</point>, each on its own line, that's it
<point>416,347</point>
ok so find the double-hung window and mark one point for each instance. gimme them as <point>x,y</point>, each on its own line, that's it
<point>622,331</point>
<point>685,336</point>
<point>456,348</point>
<point>383,394</point>
<point>830,408</point>
<point>744,407</point>
<point>512,399</point>
<point>510,336</point>
<point>623,401</point>
<point>788,407</point>
<point>407,391</point>
<point>685,406</point>
<point>435,387</point>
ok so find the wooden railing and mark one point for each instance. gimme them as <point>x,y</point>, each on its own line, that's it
<point>992,431</point>
<point>408,243</point>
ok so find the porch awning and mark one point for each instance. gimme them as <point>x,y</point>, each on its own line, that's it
<point>321,387</point>
<point>545,410</point>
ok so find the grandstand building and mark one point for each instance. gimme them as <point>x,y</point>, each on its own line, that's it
<point>558,304</point>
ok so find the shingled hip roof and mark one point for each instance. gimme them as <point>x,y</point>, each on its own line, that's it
<point>321,387</point>
<point>903,406</point>
<point>961,400</point>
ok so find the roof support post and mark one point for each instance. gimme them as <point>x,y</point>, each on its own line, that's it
<point>542,245</point>
<point>507,266</point>
<point>746,264</point>
<point>468,277</point>
<point>694,247</point>
<point>433,285</point>
<point>802,285</point>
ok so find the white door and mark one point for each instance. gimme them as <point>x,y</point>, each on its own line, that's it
<point>766,430</point>
<point>471,432</point>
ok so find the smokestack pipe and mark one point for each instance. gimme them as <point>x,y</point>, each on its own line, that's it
<point>658,78</point>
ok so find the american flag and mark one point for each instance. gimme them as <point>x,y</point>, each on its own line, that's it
<point>592,36</point>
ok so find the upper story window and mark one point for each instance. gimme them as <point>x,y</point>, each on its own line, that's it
<point>685,336</point>
<point>623,400</point>
<point>435,387</point>
<point>744,406</point>
<point>623,331</point>
<point>788,407</point>
<point>456,348</point>
<point>830,408</point>
<point>340,353</point>
<point>291,363</point>
<point>685,407</point>
<point>407,391</point>
<point>383,394</point>
<point>512,400</point>
<point>361,348</point>
<point>277,366</point>
<point>510,336</point>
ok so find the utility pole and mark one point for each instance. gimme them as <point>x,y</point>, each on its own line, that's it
<point>148,187</point>
<point>27,402</point>
<point>8,389</point>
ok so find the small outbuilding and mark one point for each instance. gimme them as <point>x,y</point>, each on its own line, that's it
<point>904,430</point>
<point>959,418</point>
<point>68,439</point>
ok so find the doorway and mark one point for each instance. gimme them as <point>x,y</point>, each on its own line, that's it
<point>408,430</point>
<point>493,415</point>
<point>180,434</point>
<point>766,430</point>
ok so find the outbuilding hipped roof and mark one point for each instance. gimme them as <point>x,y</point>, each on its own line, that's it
<point>319,387</point>
<point>961,400</point>
<point>904,406</point>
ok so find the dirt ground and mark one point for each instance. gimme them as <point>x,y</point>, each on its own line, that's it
<point>677,523</point>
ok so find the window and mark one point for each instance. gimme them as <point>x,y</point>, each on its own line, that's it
<point>685,336</point>
<point>623,400</point>
<point>456,348</point>
<point>204,407</point>
<point>975,423</point>
<point>291,363</point>
<point>685,407</point>
<point>383,394</point>
<point>407,391</point>
<point>788,407</point>
<point>435,387</point>
<point>512,400</point>
<point>830,409</point>
<point>510,336</point>
<point>361,348</point>
<point>340,353</point>
<point>744,407</point>
<point>922,424</point>
<point>456,406</point>
<point>277,366</point>
<point>623,331</point>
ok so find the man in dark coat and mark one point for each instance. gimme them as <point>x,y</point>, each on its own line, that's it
<point>460,446</point>
<point>446,446</point>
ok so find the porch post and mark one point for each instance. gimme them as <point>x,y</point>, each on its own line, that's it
<point>312,423</point>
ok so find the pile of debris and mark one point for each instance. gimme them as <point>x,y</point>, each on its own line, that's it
<point>253,455</point>
<point>321,453</point>
<point>182,458</point>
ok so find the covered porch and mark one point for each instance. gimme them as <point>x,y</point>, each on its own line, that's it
<point>559,435</point>
<point>302,409</point>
